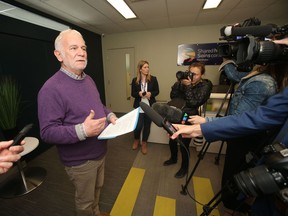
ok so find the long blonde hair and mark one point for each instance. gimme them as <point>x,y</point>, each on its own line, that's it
<point>139,66</point>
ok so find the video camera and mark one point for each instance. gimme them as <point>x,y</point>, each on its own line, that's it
<point>269,177</point>
<point>184,75</point>
<point>249,45</point>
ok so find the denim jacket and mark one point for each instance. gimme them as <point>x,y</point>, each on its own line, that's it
<point>254,89</point>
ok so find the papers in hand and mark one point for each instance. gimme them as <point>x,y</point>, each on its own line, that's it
<point>124,124</point>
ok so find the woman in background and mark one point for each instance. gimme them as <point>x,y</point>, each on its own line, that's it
<point>144,88</point>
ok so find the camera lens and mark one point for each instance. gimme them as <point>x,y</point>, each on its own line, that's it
<point>179,75</point>
<point>256,181</point>
<point>184,75</point>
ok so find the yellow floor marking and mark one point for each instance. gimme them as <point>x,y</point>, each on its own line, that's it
<point>203,194</point>
<point>164,206</point>
<point>128,194</point>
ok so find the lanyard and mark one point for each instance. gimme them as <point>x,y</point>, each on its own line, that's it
<point>143,86</point>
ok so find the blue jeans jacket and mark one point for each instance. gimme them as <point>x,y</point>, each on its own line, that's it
<point>253,89</point>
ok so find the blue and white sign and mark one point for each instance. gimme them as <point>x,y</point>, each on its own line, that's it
<point>206,53</point>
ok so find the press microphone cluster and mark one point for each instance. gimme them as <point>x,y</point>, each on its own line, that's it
<point>157,118</point>
<point>172,114</point>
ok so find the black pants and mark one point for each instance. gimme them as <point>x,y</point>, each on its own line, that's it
<point>184,151</point>
<point>143,122</point>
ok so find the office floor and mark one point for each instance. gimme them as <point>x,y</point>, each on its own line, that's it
<point>55,196</point>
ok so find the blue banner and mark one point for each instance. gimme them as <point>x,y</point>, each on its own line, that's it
<point>205,53</point>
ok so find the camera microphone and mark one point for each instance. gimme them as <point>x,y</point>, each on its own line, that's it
<point>171,113</point>
<point>157,118</point>
<point>257,31</point>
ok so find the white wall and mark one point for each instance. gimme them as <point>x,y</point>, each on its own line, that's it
<point>159,48</point>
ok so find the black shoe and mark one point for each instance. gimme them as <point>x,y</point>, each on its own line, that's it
<point>181,173</point>
<point>169,162</point>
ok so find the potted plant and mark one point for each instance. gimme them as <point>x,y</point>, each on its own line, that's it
<point>10,102</point>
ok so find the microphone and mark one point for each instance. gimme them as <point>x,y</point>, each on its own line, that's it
<point>21,135</point>
<point>257,31</point>
<point>171,113</point>
<point>157,118</point>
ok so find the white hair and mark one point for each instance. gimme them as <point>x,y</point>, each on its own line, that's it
<point>58,40</point>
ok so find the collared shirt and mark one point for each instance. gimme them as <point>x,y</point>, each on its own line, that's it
<point>72,75</point>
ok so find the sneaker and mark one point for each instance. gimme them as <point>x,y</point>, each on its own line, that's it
<point>169,162</point>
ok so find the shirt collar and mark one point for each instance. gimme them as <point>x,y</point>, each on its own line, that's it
<point>72,75</point>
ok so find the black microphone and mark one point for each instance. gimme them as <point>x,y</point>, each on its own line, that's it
<point>257,31</point>
<point>171,113</point>
<point>21,135</point>
<point>157,118</point>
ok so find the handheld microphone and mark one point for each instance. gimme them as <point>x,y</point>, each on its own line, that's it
<point>172,114</point>
<point>157,118</point>
<point>257,31</point>
<point>20,136</point>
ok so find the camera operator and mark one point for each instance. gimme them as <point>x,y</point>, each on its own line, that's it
<point>254,89</point>
<point>274,113</point>
<point>194,91</point>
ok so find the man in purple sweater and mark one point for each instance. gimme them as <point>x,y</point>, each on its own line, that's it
<point>71,116</point>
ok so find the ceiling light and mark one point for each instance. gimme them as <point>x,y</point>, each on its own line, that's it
<point>211,4</point>
<point>26,16</point>
<point>122,8</point>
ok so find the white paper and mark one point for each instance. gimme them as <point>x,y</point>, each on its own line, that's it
<point>124,124</point>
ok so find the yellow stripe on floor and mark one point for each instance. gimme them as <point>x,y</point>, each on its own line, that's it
<point>164,206</point>
<point>128,194</point>
<point>203,194</point>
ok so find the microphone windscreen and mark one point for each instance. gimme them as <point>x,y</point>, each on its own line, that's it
<point>152,114</point>
<point>257,31</point>
<point>160,108</point>
<point>172,114</point>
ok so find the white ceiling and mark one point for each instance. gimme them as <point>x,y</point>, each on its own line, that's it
<point>99,17</point>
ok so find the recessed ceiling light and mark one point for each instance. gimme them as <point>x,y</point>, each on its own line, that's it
<point>209,4</point>
<point>122,8</point>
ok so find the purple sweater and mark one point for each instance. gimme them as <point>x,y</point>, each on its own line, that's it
<point>63,103</point>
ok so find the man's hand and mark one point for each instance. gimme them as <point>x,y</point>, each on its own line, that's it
<point>93,127</point>
<point>196,119</point>
<point>113,119</point>
<point>282,41</point>
<point>9,155</point>
<point>187,131</point>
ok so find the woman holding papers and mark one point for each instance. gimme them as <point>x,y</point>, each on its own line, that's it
<point>144,88</point>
